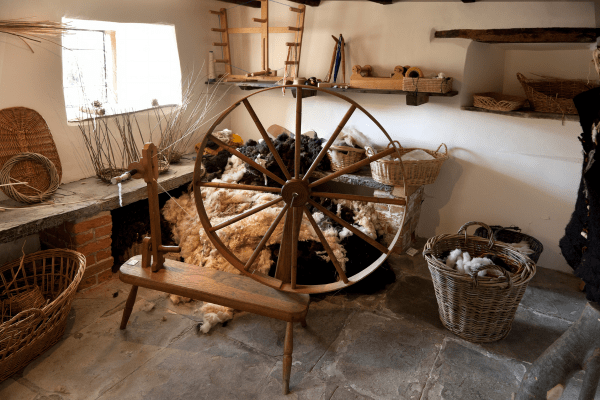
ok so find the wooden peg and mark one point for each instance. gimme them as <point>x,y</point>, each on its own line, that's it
<point>292,44</point>
<point>222,61</point>
<point>219,44</point>
<point>261,20</point>
<point>290,62</point>
<point>218,29</point>
<point>215,12</point>
<point>296,10</point>
<point>294,29</point>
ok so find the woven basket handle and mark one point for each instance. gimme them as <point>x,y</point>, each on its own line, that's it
<point>370,151</point>
<point>521,77</point>
<point>465,226</point>
<point>35,314</point>
<point>397,144</point>
<point>445,147</point>
<point>505,273</point>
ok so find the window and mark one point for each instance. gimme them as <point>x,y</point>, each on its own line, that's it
<point>110,68</point>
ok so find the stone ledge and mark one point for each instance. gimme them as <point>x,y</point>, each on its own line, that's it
<point>87,197</point>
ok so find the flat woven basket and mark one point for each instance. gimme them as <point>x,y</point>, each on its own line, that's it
<point>345,157</point>
<point>435,85</point>
<point>23,130</point>
<point>512,234</point>
<point>46,281</point>
<point>553,95</point>
<point>498,101</point>
<point>477,309</point>
<point>418,173</point>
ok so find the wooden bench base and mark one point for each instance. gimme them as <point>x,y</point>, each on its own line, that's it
<point>235,291</point>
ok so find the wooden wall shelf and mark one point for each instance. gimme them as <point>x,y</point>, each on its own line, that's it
<point>526,114</point>
<point>524,35</point>
<point>412,98</point>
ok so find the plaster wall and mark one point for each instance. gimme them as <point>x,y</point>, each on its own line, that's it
<point>502,170</point>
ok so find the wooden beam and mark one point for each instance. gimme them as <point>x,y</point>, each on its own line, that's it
<point>256,4</point>
<point>524,35</point>
<point>312,3</point>
<point>384,2</point>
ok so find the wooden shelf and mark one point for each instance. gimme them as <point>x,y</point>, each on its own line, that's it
<point>412,98</point>
<point>524,35</point>
<point>526,114</point>
<point>361,177</point>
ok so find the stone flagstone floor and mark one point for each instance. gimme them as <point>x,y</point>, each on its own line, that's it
<point>388,345</point>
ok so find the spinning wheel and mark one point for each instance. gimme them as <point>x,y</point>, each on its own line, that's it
<point>297,190</point>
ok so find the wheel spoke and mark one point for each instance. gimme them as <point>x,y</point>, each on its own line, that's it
<point>283,268</point>
<point>248,160</point>
<point>298,146</point>
<point>267,139</point>
<point>245,214</point>
<point>354,166</point>
<point>332,256</point>
<point>353,197</point>
<point>295,236</point>
<point>267,236</point>
<point>223,185</point>
<point>346,225</point>
<point>333,137</point>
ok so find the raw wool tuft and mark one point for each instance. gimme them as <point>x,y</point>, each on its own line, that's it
<point>179,299</point>
<point>214,314</point>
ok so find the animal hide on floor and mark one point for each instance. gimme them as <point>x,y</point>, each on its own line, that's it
<point>581,244</point>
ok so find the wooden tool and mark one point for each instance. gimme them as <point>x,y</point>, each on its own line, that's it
<point>361,78</point>
<point>235,291</point>
<point>266,73</point>
<point>343,61</point>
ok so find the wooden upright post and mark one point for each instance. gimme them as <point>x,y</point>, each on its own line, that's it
<point>264,34</point>
<point>225,40</point>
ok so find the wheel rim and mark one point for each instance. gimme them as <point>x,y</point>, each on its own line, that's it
<point>297,194</point>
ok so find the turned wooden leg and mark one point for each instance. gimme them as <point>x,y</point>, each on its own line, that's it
<point>128,306</point>
<point>288,348</point>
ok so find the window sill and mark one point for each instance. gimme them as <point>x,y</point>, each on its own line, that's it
<point>75,122</point>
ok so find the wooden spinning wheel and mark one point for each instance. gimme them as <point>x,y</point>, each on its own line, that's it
<point>297,191</point>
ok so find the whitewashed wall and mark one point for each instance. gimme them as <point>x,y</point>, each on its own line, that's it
<point>502,170</point>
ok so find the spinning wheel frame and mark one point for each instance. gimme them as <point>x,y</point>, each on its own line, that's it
<point>297,194</point>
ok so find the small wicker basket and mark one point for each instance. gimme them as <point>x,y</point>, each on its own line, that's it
<point>553,95</point>
<point>498,101</point>
<point>512,234</point>
<point>426,85</point>
<point>346,156</point>
<point>25,334</point>
<point>418,173</point>
<point>477,309</point>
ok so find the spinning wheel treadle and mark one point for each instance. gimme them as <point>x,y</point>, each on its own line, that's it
<point>297,193</point>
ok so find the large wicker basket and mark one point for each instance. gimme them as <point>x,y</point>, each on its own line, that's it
<point>553,95</point>
<point>512,234</point>
<point>345,157</point>
<point>48,279</point>
<point>477,309</point>
<point>418,173</point>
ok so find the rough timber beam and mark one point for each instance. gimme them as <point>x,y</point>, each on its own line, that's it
<point>256,4</point>
<point>524,35</point>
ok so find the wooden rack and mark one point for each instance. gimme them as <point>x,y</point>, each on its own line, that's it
<point>266,73</point>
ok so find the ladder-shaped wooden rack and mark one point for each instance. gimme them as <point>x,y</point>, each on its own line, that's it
<point>266,73</point>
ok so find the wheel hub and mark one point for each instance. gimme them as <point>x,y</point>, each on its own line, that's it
<point>295,192</point>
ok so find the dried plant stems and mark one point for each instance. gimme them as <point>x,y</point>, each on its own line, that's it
<point>35,31</point>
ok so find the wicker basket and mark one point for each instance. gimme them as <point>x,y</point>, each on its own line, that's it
<point>512,234</point>
<point>477,309</point>
<point>418,173</point>
<point>27,334</point>
<point>498,101</point>
<point>346,156</point>
<point>553,95</point>
<point>435,85</point>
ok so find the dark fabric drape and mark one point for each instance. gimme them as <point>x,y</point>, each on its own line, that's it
<point>581,244</point>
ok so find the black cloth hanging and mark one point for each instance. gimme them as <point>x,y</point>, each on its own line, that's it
<point>581,244</point>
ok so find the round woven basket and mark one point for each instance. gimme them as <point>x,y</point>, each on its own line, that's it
<point>345,157</point>
<point>477,309</point>
<point>418,173</point>
<point>27,333</point>
<point>23,130</point>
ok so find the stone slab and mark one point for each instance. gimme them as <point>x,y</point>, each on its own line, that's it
<point>462,372</point>
<point>381,357</point>
<point>86,198</point>
<point>197,367</point>
<point>13,390</point>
